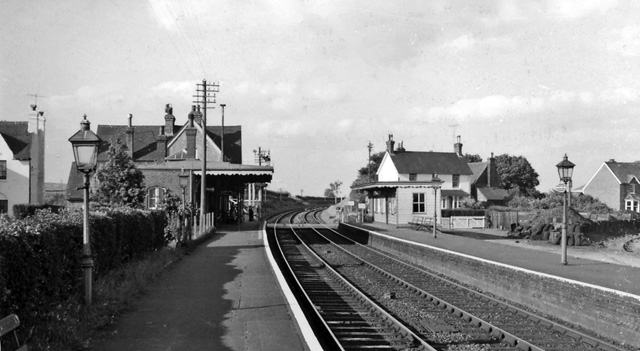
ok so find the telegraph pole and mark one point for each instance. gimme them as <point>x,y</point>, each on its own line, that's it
<point>370,146</point>
<point>205,94</point>
<point>222,133</point>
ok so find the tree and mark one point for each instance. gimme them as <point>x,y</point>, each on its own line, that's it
<point>516,173</point>
<point>334,189</point>
<point>363,173</point>
<point>120,182</point>
<point>473,158</point>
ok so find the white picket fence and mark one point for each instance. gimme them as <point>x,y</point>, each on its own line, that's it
<point>467,222</point>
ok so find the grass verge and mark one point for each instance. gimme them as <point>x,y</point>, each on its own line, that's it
<point>69,325</point>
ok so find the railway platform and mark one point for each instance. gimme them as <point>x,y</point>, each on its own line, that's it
<point>222,296</point>
<point>617,271</point>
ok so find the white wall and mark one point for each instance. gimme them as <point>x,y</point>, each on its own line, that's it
<point>15,188</point>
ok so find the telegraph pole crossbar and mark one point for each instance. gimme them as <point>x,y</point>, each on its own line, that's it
<point>205,94</point>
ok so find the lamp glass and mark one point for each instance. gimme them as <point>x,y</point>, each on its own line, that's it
<point>184,179</point>
<point>85,155</point>
<point>565,169</point>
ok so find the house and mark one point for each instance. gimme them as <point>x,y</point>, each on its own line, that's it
<point>486,184</point>
<point>616,185</point>
<point>407,183</point>
<point>22,161</point>
<point>162,152</point>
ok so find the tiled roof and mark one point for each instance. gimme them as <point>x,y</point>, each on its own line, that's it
<point>17,137</point>
<point>430,163</point>
<point>623,170</point>
<point>494,193</point>
<point>145,141</point>
<point>477,168</point>
<point>74,182</point>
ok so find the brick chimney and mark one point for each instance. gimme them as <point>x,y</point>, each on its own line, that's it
<point>457,148</point>
<point>191,133</point>
<point>130,131</point>
<point>36,128</point>
<point>169,120</point>
<point>161,145</point>
<point>390,144</point>
<point>197,115</point>
<point>489,170</point>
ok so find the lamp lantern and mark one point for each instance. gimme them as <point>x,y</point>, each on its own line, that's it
<point>436,183</point>
<point>85,145</point>
<point>565,171</point>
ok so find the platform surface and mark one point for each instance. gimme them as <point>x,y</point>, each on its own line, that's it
<point>223,296</point>
<point>618,271</point>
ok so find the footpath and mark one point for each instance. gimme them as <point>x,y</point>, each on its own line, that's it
<point>223,296</point>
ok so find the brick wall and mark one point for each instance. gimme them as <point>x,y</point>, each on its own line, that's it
<point>613,315</point>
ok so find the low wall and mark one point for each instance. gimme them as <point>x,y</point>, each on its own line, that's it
<point>610,313</point>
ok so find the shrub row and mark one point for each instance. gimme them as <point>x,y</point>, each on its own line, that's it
<point>21,211</point>
<point>463,212</point>
<point>40,255</point>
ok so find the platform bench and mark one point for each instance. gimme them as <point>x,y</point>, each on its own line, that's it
<point>8,325</point>
<point>420,222</point>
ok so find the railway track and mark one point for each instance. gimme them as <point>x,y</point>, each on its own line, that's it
<point>445,314</point>
<point>350,320</point>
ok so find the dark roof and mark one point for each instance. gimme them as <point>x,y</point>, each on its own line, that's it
<point>16,134</point>
<point>493,194</point>
<point>477,168</point>
<point>430,163</point>
<point>622,170</point>
<point>145,141</point>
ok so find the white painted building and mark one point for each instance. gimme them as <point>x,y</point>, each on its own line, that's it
<point>22,161</point>
<point>404,188</point>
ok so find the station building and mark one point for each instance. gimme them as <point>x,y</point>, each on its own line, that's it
<point>162,152</point>
<point>418,183</point>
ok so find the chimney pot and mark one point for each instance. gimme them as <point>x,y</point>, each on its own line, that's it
<point>390,144</point>
<point>457,147</point>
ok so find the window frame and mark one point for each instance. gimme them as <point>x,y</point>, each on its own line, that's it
<point>157,197</point>
<point>455,181</point>
<point>3,170</point>
<point>419,203</point>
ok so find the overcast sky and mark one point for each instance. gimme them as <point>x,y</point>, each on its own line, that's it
<point>315,81</point>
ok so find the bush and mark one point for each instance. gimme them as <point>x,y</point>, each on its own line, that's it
<point>462,212</point>
<point>21,211</point>
<point>40,256</point>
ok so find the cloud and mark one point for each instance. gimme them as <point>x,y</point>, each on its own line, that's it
<point>469,41</point>
<point>572,9</point>
<point>625,41</point>
<point>501,106</point>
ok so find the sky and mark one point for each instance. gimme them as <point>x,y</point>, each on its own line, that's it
<point>314,82</point>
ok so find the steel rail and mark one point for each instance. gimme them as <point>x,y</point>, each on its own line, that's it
<point>469,317</point>
<point>358,295</point>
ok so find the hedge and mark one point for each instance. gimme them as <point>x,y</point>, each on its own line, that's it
<point>40,255</point>
<point>21,211</point>
<point>463,212</point>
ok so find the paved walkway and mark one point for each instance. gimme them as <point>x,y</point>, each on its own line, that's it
<point>602,268</point>
<point>223,296</point>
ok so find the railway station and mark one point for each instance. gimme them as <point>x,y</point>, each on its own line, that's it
<point>265,303</point>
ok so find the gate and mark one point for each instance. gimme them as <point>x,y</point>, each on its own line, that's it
<point>468,222</point>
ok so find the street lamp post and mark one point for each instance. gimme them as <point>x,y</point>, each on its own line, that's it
<point>183,179</point>
<point>436,183</point>
<point>85,145</point>
<point>565,171</point>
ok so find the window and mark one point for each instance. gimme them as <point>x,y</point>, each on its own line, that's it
<point>4,206</point>
<point>413,177</point>
<point>632,188</point>
<point>631,205</point>
<point>155,196</point>
<point>418,203</point>
<point>3,169</point>
<point>456,202</point>
<point>455,180</point>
